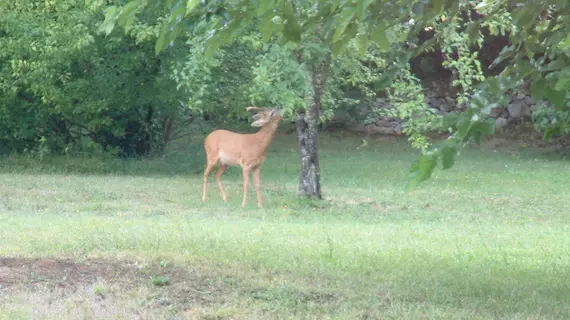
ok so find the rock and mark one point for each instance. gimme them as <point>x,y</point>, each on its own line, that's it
<point>381,103</point>
<point>384,130</point>
<point>526,112</point>
<point>387,131</point>
<point>516,109</point>
<point>383,123</point>
<point>463,106</point>
<point>398,128</point>
<point>528,100</point>
<point>501,123</point>
<point>445,107</point>
<point>533,108</point>
<point>361,110</point>
<point>359,127</point>
<point>497,112</point>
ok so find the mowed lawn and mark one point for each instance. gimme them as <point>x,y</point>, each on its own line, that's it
<point>102,239</point>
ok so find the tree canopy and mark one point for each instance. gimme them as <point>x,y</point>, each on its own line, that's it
<point>536,57</point>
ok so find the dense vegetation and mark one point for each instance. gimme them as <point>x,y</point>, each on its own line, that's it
<point>73,82</point>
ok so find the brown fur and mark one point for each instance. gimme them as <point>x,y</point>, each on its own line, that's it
<point>246,150</point>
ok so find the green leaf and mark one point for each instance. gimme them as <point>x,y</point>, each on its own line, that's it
<point>505,53</point>
<point>292,29</point>
<point>126,16</point>
<point>111,15</point>
<point>552,131</point>
<point>473,31</point>
<point>163,39</point>
<point>462,126</point>
<point>553,66</point>
<point>345,19</point>
<point>437,5</point>
<point>177,12</point>
<point>363,43</point>
<point>334,5</point>
<point>556,97</point>
<point>339,46</point>
<point>266,27</point>
<point>448,156</point>
<point>563,82</point>
<point>566,42</point>
<point>422,169</point>
<point>190,5</point>
<point>478,129</point>
<point>449,120</point>
<point>525,17</point>
<point>264,6</point>
<point>379,37</point>
<point>107,27</point>
<point>537,89</point>
<point>363,8</point>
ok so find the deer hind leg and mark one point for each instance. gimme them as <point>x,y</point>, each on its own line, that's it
<point>245,173</point>
<point>209,167</point>
<point>257,183</point>
<point>219,174</point>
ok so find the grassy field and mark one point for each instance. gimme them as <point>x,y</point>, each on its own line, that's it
<point>104,239</point>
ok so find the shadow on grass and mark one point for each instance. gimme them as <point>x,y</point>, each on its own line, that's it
<point>189,161</point>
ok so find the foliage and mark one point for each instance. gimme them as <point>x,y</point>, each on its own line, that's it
<point>537,58</point>
<point>551,121</point>
<point>62,81</point>
<point>217,85</point>
<point>407,95</point>
<point>280,80</point>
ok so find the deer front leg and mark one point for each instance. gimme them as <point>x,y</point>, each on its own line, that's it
<point>219,174</point>
<point>245,173</point>
<point>257,183</point>
<point>209,168</point>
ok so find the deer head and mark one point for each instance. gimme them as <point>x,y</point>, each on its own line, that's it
<point>265,116</point>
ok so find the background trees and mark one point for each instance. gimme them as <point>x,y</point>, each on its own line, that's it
<point>64,82</point>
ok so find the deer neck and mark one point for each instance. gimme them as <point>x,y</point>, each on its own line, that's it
<point>266,133</point>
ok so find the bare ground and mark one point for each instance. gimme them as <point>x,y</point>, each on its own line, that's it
<point>102,289</point>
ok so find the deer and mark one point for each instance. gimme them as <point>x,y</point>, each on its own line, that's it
<point>229,148</point>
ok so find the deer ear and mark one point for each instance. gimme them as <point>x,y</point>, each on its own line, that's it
<point>258,123</point>
<point>256,116</point>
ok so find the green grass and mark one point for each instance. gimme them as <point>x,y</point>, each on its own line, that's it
<point>489,239</point>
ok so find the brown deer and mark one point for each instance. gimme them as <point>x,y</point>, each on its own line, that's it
<point>246,150</point>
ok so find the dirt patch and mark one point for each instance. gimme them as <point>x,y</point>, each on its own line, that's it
<point>102,289</point>
<point>62,273</point>
<point>18,274</point>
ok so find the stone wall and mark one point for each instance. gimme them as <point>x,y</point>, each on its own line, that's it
<point>519,109</point>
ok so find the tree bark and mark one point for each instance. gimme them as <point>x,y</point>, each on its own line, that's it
<point>307,129</point>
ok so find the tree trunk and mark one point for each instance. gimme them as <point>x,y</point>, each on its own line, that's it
<point>310,174</point>
<point>307,129</point>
